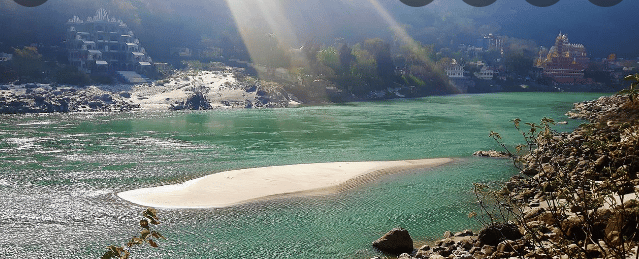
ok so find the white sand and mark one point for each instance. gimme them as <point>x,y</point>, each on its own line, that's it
<point>245,185</point>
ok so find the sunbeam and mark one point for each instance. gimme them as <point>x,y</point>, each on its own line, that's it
<point>266,31</point>
<point>414,47</point>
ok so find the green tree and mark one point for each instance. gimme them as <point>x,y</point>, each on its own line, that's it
<point>518,63</point>
<point>346,57</point>
<point>443,63</point>
<point>381,52</point>
<point>7,74</point>
<point>472,69</point>
<point>329,57</point>
<point>365,64</point>
<point>418,54</point>
<point>27,63</point>
<point>68,74</point>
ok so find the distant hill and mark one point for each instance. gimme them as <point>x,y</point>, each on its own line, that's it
<point>163,24</point>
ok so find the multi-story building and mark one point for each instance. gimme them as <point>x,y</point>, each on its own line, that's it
<point>564,62</point>
<point>104,44</point>
<point>455,70</point>
<point>494,42</point>
<point>485,73</point>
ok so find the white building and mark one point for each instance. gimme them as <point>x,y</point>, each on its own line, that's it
<point>104,44</point>
<point>455,70</point>
<point>485,73</point>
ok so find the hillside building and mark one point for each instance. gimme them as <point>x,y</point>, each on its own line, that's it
<point>494,42</point>
<point>103,44</point>
<point>564,62</point>
<point>455,70</point>
<point>485,73</point>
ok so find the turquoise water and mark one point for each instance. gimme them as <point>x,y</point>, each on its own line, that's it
<point>60,172</point>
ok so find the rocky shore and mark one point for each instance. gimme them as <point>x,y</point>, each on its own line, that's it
<point>44,98</point>
<point>185,90</point>
<point>576,195</point>
<point>491,153</point>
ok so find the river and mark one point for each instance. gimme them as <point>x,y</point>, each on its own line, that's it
<point>60,173</point>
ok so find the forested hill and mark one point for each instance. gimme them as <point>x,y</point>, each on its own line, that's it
<point>163,24</point>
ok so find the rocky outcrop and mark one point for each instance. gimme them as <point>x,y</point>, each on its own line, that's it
<point>491,153</point>
<point>593,110</point>
<point>47,99</point>
<point>197,101</point>
<point>275,97</point>
<point>396,241</point>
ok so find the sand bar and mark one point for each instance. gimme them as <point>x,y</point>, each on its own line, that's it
<point>240,186</point>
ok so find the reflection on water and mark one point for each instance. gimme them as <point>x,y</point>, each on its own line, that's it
<point>60,172</point>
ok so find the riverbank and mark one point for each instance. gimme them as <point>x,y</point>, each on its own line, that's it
<point>185,90</point>
<point>235,187</point>
<point>576,196</point>
<point>222,87</point>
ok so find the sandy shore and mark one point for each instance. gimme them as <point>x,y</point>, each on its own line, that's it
<point>240,186</point>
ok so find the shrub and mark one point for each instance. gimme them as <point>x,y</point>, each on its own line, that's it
<point>146,237</point>
<point>569,196</point>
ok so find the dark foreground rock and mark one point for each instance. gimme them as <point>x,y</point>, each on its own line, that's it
<point>396,241</point>
<point>494,234</point>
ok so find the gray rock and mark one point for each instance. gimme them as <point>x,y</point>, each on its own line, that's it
<point>491,153</point>
<point>125,94</point>
<point>465,244</point>
<point>488,249</point>
<point>196,101</point>
<point>424,248</point>
<point>464,233</point>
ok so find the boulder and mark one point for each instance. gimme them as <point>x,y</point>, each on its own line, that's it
<point>574,227</point>
<point>465,244</point>
<point>621,223</point>
<point>601,162</point>
<point>492,235</point>
<point>196,101</point>
<point>125,94</point>
<point>465,233</point>
<point>396,241</point>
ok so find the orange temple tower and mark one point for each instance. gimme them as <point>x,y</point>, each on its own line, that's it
<point>565,62</point>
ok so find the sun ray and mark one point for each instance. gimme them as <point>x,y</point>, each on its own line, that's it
<point>265,29</point>
<point>413,45</point>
